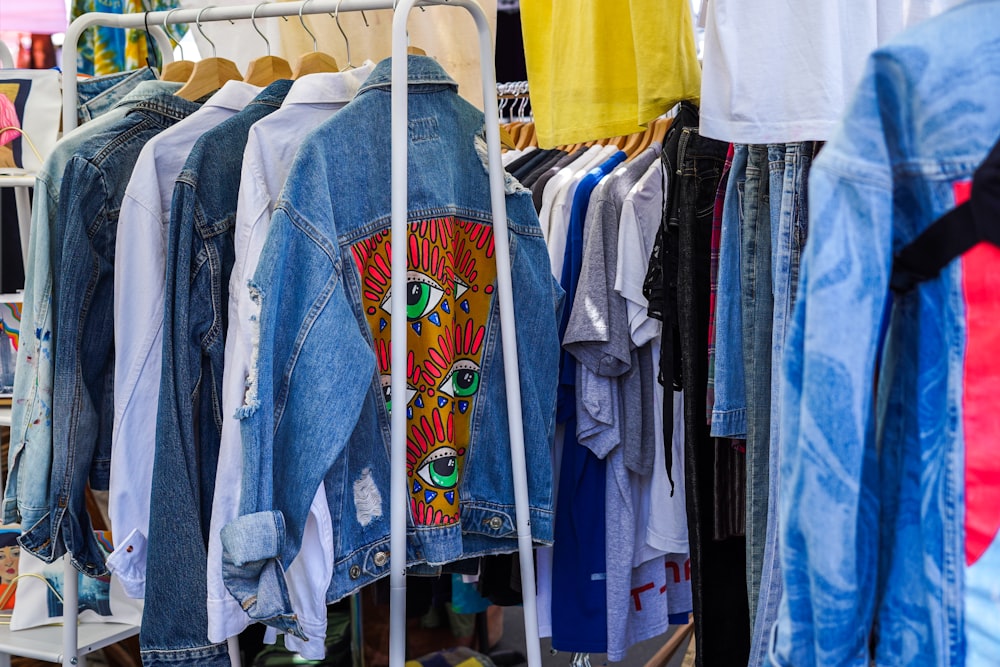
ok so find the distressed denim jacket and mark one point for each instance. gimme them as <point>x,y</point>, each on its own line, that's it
<point>318,403</point>
<point>875,532</point>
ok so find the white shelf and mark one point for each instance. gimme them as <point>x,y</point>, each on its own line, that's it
<point>45,643</point>
<point>23,179</point>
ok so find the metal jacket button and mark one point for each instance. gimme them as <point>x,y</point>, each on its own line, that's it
<point>496,522</point>
<point>355,572</point>
<point>381,558</point>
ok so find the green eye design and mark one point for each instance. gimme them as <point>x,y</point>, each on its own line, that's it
<point>386,381</point>
<point>440,469</point>
<point>422,296</point>
<point>462,381</point>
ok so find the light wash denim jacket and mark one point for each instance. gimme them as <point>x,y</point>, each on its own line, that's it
<point>29,461</point>
<point>872,500</point>
<point>317,402</point>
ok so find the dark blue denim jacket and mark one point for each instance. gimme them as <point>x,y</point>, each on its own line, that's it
<point>200,258</point>
<point>317,407</point>
<point>83,258</point>
<point>873,502</point>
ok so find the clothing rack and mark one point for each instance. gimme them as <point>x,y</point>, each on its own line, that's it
<point>154,22</point>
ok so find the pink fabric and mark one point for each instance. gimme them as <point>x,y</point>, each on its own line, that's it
<point>8,118</point>
<point>37,16</point>
<point>980,416</point>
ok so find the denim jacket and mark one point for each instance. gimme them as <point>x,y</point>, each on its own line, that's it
<point>26,495</point>
<point>189,416</point>
<point>317,402</point>
<point>83,255</point>
<point>873,508</point>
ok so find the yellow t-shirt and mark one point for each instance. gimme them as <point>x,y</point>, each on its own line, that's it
<point>603,68</point>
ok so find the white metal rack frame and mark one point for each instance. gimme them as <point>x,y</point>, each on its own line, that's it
<point>154,22</point>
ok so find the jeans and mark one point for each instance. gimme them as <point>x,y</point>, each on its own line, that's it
<point>729,415</point>
<point>717,567</point>
<point>789,176</point>
<point>757,315</point>
<point>101,93</point>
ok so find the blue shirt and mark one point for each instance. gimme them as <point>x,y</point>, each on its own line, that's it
<point>579,590</point>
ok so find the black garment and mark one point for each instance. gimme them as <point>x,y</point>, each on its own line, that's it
<point>12,263</point>
<point>524,169</point>
<point>520,162</point>
<point>500,580</point>
<point>730,490</point>
<point>538,188</point>
<point>546,164</point>
<point>660,287</point>
<point>718,568</point>
<point>509,57</point>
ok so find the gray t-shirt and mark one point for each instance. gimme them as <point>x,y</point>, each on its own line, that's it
<point>615,416</point>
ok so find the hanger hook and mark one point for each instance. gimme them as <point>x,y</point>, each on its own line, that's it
<point>166,19</point>
<point>197,22</point>
<point>253,22</point>
<point>306,28</point>
<point>347,42</point>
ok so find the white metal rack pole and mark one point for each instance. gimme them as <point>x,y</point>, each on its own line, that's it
<point>397,582</point>
<point>399,499</point>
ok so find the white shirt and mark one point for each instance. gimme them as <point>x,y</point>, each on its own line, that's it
<point>666,528</point>
<point>562,206</point>
<point>140,282</point>
<point>555,186</point>
<point>267,160</point>
<point>778,71</point>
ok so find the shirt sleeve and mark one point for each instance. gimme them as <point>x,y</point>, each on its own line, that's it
<point>140,254</point>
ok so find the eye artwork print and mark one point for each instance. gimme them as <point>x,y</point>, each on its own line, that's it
<point>449,294</point>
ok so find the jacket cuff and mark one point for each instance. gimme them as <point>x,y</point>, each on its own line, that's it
<point>252,570</point>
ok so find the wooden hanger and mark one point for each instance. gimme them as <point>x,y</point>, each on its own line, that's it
<point>415,51</point>
<point>267,69</point>
<point>315,61</point>
<point>525,136</point>
<point>177,71</point>
<point>632,143</point>
<point>209,74</point>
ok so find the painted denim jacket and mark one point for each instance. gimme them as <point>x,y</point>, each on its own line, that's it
<point>317,402</point>
<point>879,540</point>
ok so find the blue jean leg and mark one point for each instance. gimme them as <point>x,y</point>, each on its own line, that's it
<point>757,315</point>
<point>787,251</point>
<point>729,413</point>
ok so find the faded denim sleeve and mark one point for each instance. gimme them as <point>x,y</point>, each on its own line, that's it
<point>829,505</point>
<point>30,456</point>
<point>309,376</point>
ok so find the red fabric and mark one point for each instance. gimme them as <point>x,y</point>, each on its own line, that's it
<point>981,413</point>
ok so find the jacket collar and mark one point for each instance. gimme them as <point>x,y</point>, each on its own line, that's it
<point>420,70</point>
<point>274,94</point>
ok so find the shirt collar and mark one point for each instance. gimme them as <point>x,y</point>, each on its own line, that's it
<point>420,70</point>
<point>328,87</point>
<point>234,95</point>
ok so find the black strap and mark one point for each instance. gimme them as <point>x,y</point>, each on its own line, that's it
<point>923,259</point>
<point>955,233</point>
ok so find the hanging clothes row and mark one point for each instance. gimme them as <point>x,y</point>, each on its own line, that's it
<point>211,344</point>
<point>619,572</point>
